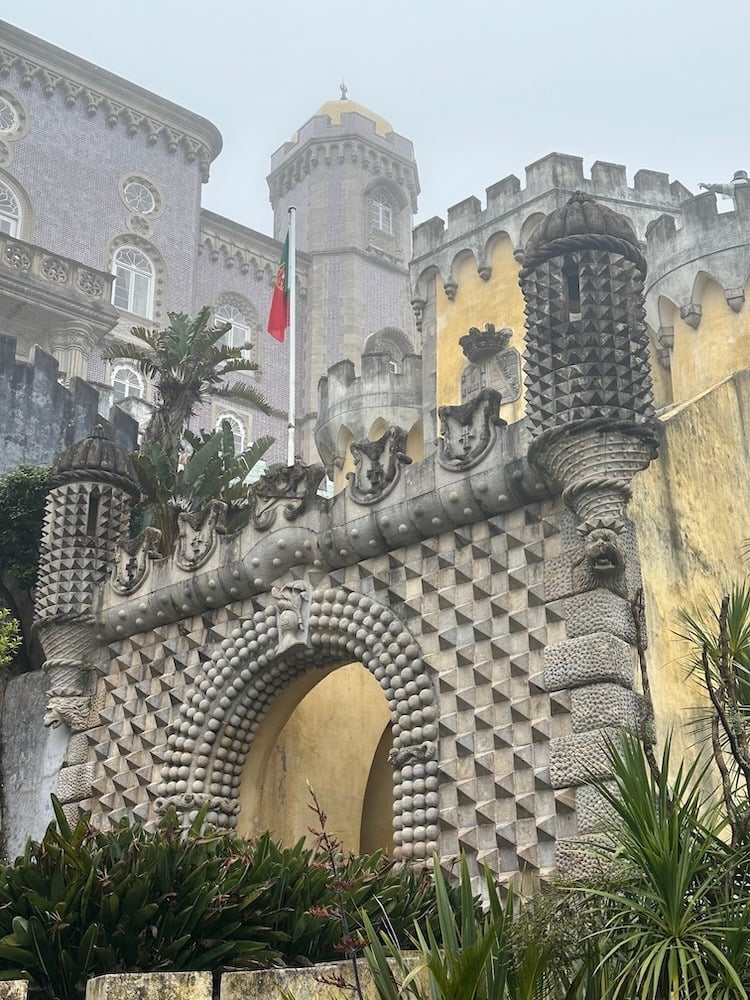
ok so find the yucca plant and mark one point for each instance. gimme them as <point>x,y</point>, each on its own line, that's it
<point>676,924</point>
<point>468,956</point>
<point>721,660</point>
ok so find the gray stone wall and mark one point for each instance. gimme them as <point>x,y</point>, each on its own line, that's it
<point>41,417</point>
<point>30,760</point>
<point>70,165</point>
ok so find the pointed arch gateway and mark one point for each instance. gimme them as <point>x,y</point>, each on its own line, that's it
<point>302,629</point>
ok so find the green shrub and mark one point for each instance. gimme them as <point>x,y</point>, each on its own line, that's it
<point>82,902</point>
<point>22,495</point>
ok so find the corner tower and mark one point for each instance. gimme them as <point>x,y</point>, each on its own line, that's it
<point>354,183</point>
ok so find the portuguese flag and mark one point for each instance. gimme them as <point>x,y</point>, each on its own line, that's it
<point>278,318</point>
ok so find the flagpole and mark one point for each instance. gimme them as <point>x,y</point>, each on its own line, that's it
<point>292,286</point>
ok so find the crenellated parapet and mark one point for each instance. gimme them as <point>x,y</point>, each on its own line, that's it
<point>42,417</point>
<point>337,136</point>
<point>706,244</point>
<point>513,210</point>
<point>357,402</point>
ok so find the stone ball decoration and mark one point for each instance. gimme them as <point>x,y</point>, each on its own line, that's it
<point>222,710</point>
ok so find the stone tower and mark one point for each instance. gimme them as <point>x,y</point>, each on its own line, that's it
<point>354,183</point>
<point>88,508</point>
<point>588,382</point>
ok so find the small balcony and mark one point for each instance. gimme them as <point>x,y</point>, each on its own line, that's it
<point>42,291</point>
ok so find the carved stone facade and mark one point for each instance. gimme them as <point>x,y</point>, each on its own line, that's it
<point>493,612</point>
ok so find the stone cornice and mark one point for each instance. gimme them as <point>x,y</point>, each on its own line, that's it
<point>316,151</point>
<point>373,255</point>
<point>244,248</point>
<point>123,104</point>
<point>427,501</point>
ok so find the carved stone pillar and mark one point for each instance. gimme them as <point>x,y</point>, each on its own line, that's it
<point>87,509</point>
<point>71,346</point>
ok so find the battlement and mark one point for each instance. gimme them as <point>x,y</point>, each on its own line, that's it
<point>549,182</point>
<point>357,402</point>
<point>706,243</point>
<point>42,417</point>
<point>352,124</point>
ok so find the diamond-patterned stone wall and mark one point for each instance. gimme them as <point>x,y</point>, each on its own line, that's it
<point>466,611</point>
<point>475,600</point>
<point>140,691</point>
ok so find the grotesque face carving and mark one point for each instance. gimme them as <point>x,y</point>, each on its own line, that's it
<point>603,552</point>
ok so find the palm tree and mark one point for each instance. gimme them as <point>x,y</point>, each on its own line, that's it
<point>187,362</point>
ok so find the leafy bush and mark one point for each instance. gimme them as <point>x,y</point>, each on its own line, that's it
<point>22,495</point>
<point>10,636</point>
<point>211,471</point>
<point>82,902</point>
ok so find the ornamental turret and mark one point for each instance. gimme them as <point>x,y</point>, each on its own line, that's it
<point>588,382</point>
<point>88,507</point>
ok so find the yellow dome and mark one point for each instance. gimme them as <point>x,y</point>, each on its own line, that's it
<point>335,109</point>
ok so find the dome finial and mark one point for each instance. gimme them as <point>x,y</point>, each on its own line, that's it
<point>344,91</point>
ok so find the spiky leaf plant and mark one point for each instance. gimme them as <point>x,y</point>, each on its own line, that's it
<point>187,362</point>
<point>678,919</point>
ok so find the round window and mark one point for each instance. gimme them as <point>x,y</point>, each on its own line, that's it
<point>8,116</point>
<point>139,198</point>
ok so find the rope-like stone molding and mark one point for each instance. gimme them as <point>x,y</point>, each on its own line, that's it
<point>584,241</point>
<point>223,709</point>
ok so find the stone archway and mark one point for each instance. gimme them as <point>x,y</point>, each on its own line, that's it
<point>222,711</point>
<point>328,730</point>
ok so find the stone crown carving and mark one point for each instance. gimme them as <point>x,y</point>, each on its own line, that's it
<point>478,345</point>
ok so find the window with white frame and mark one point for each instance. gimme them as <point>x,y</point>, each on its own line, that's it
<point>139,198</point>
<point>240,334</point>
<point>134,281</point>
<point>10,211</point>
<point>381,213</point>
<point>238,430</point>
<point>126,381</point>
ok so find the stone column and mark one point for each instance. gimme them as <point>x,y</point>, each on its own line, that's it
<point>71,346</point>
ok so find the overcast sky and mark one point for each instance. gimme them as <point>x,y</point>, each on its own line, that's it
<point>482,87</point>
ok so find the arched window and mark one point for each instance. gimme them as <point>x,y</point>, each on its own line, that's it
<point>10,211</point>
<point>126,381</point>
<point>381,213</point>
<point>240,334</point>
<point>238,430</point>
<point>134,282</point>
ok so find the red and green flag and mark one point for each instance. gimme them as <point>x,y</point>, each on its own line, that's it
<point>278,318</point>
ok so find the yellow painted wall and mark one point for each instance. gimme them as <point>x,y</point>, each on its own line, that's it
<point>326,731</point>
<point>477,303</point>
<point>691,513</point>
<point>719,346</point>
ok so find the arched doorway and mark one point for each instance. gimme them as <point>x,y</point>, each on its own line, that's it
<point>333,736</point>
<point>250,679</point>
